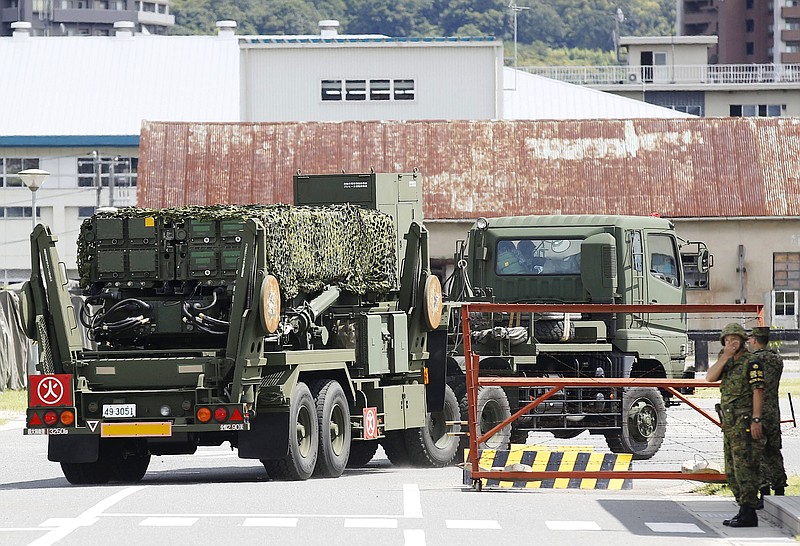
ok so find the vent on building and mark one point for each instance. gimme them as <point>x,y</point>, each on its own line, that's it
<point>329,28</point>
<point>124,29</point>
<point>226,29</point>
<point>21,29</point>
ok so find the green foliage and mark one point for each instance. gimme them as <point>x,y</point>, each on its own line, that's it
<point>557,32</point>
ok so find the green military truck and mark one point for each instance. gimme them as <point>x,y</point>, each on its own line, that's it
<point>290,332</point>
<point>575,259</point>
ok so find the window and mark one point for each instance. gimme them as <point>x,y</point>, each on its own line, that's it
<point>379,90</point>
<point>10,166</point>
<point>785,303</point>
<point>355,90</point>
<point>403,89</point>
<point>331,89</point>
<point>749,25</point>
<point>21,212</point>
<point>538,257</point>
<point>85,212</point>
<point>125,169</point>
<point>695,280</point>
<point>749,4</point>
<point>637,251</point>
<point>749,48</point>
<point>663,259</point>
<point>786,270</point>
<point>755,110</point>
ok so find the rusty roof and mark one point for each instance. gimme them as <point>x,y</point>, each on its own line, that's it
<point>705,167</point>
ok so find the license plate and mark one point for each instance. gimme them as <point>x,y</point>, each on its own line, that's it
<point>111,411</point>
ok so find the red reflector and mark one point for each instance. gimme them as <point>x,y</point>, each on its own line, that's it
<point>221,414</point>
<point>50,418</point>
<point>236,415</point>
<point>35,421</point>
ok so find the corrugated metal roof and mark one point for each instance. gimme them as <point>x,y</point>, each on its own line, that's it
<point>374,39</point>
<point>528,96</point>
<point>701,167</point>
<point>107,85</point>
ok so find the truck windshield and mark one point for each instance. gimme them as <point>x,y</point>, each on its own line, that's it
<point>538,257</point>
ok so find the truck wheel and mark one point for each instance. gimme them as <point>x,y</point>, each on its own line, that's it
<point>333,420</point>
<point>644,422</point>
<point>361,453</point>
<point>86,473</point>
<point>394,444</point>
<point>548,331</point>
<point>493,408</point>
<point>431,445</point>
<point>303,439</point>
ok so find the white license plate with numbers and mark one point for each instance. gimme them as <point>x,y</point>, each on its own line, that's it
<point>119,411</point>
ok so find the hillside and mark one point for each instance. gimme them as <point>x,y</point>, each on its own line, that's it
<point>548,32</point>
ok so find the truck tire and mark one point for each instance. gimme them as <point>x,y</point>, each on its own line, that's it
<point>361,453</point>
<point>394,444</point>
<point>86,473</point>
<point>493,408</point>
<point>303,433</point>
<point>644,423</point>
<point>333,421</point>
<point>431,445</point>
<point>552,331</point>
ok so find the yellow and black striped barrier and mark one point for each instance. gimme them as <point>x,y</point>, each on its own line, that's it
<point>533,458</point>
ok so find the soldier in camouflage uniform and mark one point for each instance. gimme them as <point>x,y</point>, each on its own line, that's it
<point>772,469</point>
<point>741,398</point>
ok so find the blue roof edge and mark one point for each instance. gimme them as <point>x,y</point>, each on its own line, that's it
<point>66,141</point>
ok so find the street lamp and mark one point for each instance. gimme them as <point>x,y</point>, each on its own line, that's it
<point>33,179</point>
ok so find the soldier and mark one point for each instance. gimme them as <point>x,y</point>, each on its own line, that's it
<point>741,398</point>
<point>773,472</point>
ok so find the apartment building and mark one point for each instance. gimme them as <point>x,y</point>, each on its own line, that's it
<point>85,17</point>
<point>749,31</point>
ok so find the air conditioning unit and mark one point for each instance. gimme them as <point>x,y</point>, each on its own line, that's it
<point>633,77</point>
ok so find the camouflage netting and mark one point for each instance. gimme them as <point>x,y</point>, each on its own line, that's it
<point>306,247</point>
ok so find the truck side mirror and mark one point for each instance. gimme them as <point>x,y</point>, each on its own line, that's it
<point>705,261</point>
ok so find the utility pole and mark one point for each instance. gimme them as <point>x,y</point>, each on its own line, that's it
<point>515,9</point>
<point>98,182</point>
<point>619,17</point>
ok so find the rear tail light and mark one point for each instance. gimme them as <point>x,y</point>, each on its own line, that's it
<point>50,418</point>
<point>67,417</point>
<point>203,415</point>
<point>221,414</point>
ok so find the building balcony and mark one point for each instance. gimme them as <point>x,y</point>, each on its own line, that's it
<point>698,18</point>
<point>158,19</point>
<point>790,12</point>
<point>790,58</point>
<point>711,74</point>
<point>790,35</point>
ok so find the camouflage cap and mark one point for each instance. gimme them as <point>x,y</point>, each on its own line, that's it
<point>760,331</point>
<point>732,329</point>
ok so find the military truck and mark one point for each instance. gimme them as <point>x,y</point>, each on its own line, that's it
<point>289,332</point>
<point>575,259</point>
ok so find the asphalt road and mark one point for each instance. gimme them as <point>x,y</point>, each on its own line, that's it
<point>213,497</point>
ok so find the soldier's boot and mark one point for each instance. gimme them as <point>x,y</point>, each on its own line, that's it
<point>728,521</point>
<point>746,518</point>
<point>779,491</point>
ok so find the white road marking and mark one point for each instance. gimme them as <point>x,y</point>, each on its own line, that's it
<point>674,528</point>
<point>471,524</point>
<point>89,515</point>
<point>168,522</point>
<point>572,525</point>
<point>412,505</point>
<point>60,522</point>
<point>414,537</point>
<point>371,523</point>
<point>270,522</point>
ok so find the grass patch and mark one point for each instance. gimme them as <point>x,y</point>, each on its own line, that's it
<point>722,490</point>
<point>12,402</point>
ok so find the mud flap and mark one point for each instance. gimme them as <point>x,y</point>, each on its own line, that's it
<point>268,437</point>
<point>437,370</point>
<point>83,448</point>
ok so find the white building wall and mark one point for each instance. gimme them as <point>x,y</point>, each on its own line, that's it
<point>283,83</point>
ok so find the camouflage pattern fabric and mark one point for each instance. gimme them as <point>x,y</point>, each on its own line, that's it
<point>743,454</point>
<point>306,247</point>
<point>772,468</point>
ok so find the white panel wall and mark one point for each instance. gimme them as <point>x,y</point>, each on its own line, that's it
<point>282,83</point>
